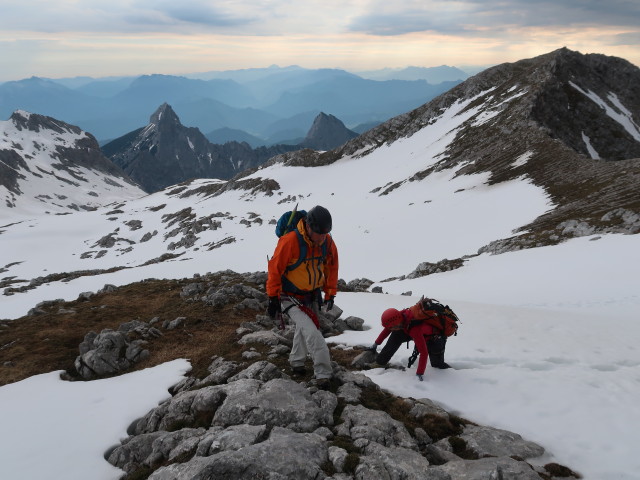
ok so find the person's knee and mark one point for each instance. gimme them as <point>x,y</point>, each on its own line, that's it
<point>382,359</point>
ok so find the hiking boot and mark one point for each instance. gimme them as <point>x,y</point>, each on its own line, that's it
<point>322,383</point>
<point>437,361</point>
<point>441,366</point>
<point>299,370</point>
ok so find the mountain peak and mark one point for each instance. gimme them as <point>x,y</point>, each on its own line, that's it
<point>327,133</point>
<point>164,114</point>
<point>34,122</point>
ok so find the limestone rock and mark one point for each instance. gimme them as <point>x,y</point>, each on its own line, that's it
<point>108,353</point>
<point>284,455</point>
<point>376,426</point>
<point>278,402</point>
<point>488,441</point>
<point>503,468</point>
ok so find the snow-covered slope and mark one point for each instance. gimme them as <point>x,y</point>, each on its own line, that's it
<point>547,340</point>
<point>212,225</point>
<point>48,166</point>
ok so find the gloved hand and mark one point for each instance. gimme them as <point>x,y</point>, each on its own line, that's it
<point>328,301</point>
<point>420,377</point>
<point>274,307</point>
<point>373,348</point>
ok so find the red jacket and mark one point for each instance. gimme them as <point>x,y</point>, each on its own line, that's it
<point>418,333</point>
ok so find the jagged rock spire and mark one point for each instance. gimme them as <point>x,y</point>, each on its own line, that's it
<point>165,115</point>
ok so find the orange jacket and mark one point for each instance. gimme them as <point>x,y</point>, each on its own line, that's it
<point>311,274</point>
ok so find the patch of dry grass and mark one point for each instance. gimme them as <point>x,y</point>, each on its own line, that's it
<point>43,343</point>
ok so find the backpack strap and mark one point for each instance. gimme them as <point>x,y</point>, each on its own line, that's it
<point>303,251</point>
<point>288,285</point>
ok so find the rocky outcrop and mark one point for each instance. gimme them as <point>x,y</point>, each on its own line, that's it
<point>244,427</point>
<point>254,420</point>
<point>112,352</point>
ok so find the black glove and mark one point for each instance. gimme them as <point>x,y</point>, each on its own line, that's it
<point>274,307</point>
<point>373,348</point>
<point>329,302</point>
<point>420,377</point>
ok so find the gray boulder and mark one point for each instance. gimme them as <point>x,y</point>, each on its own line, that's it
<point>284,455</point>
<point>488,441</point>
<point>185,409</point>
<point>365,358</point>
<point>220,370</point>
<point>349,392</point>
<point>376,426</point>
<point>152,449</point>
<point>338,457</point>
<point>354,323</point>
<point>425,406</point>
<point>502,468</point>
<point>395,463</point>
<point>235,437</point>
<point>261,370</point>
<point>278,402</point>
<point>266,337</point>
<point>108,353</point>
<point>133,451</point>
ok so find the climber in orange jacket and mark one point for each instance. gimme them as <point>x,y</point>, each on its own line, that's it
<point>305,264</point>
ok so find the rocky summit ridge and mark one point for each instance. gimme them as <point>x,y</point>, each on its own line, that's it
<point>567,122</point>
<point>49,165</point>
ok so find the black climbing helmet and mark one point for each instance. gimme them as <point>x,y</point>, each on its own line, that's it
<point>319,219</point>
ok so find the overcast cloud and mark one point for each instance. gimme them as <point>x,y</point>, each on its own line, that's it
<point>102,37</point>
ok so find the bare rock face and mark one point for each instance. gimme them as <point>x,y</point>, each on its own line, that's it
<point>165,153</point>
<point>108,353</point>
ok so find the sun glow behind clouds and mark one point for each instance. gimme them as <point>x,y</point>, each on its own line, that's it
<point>133,37</point>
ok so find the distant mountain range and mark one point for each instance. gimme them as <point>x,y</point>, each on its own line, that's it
<point>272,104</point>
<point>432,75</point>
<point>165,152</point>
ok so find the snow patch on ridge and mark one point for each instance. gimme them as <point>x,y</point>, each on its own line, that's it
<point>623,116</point>
<point>522,159</point>
<point>592,151</point>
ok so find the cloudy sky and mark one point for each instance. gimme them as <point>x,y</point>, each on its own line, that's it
<point>69,38</point>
